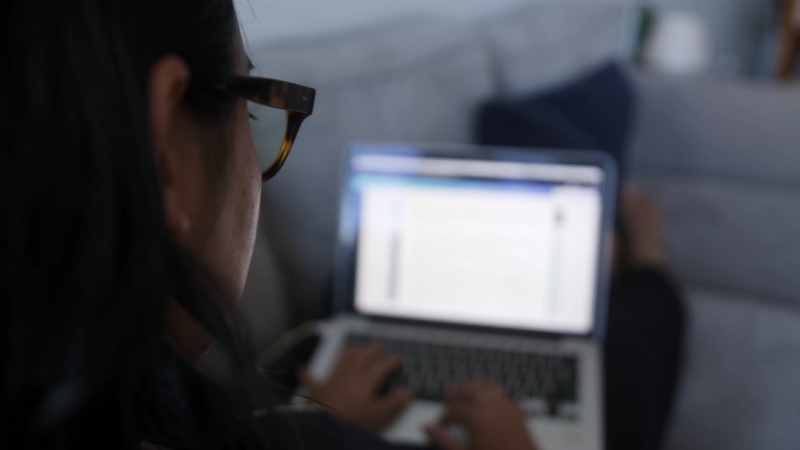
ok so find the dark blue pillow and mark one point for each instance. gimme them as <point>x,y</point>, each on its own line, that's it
<point>592,113</point>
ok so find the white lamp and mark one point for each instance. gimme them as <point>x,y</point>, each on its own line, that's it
<point>680,45</point>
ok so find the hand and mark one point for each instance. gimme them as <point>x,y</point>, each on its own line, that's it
<point>493,420</point>
<point>351,388</point>
<point>644,225</point>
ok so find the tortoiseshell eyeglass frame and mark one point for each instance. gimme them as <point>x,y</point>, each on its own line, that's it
<point>297,100</point>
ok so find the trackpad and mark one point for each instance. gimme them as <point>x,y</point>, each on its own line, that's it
<point>409,428</point>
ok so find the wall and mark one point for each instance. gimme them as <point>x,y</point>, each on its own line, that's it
<point>737,29</point>
<point>277,19</point>
<point>737,26</point>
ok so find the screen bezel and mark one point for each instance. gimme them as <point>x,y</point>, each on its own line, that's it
<point>347,236</point>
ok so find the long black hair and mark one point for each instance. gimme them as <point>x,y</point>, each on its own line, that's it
<point>86,265</point>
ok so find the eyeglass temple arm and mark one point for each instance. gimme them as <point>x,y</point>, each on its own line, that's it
<point>292,127</point>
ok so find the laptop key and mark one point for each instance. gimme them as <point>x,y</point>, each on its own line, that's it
<point>429,370</point>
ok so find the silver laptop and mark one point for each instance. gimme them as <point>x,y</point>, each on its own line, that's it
<point>479,262</point>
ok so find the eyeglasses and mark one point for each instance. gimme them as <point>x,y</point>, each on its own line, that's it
<point>277,109</point>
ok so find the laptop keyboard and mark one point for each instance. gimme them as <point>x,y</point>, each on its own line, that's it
<point>429,369</point>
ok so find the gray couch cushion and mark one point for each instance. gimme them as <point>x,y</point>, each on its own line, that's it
<point>728,129</point>
<point>545,43</point>
<point>737,236</point>
<point>413,80</point>
<point>740,389</point>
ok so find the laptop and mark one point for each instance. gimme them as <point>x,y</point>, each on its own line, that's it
<point>470,261</point>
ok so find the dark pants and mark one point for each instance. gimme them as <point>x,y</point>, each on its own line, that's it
<point>642,363</point>
<point>642,358</point>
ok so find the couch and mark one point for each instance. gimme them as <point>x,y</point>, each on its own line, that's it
<point>721,157</point>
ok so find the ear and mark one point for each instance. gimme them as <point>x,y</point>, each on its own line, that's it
<point>169,80</point>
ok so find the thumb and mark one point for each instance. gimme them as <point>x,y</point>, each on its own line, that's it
<point>307,380</point>
<point>394,402</point>
<point>442,439</point>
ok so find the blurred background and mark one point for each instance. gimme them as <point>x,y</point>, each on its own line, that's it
<point>745,34</point>
<point>698,98</point>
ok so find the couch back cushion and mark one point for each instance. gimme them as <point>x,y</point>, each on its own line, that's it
<point>416,79</point>
<point>731,235</point>
<point>714,128</point>
<point>723,158</point>
<point>547,42</point>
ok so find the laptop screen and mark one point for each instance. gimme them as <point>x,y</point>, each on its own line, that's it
<point>478,242</point>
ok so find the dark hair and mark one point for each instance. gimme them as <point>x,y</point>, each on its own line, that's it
<point>86,263</point>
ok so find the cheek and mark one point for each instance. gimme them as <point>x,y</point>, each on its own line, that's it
<point>248,202</point>
<point>234,236</point>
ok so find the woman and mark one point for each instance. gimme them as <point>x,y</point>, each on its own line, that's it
<point>130,184</point>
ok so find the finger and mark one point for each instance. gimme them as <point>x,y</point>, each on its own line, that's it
<point>459,414</point>
<point>476,390</point>
<point>381,370</point>
<point>442,439</point>
<point>393,403</point>
<point>487,388</point>
<point>346,358</point>
<point>369,355</point>
<point>632,190</point>
<point>489,392</point>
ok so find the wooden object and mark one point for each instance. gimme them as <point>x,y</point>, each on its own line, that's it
<point>790,39</point>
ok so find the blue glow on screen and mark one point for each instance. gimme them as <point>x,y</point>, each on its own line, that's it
<point>361,181</point>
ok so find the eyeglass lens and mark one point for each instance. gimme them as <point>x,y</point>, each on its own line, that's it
<point>268,126</point>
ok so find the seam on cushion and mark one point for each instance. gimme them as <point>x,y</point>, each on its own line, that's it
<point>734,181</point>
<point>692,289</point>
